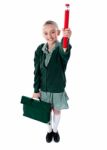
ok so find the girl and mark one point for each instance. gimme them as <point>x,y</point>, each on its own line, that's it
<point>50,63</point>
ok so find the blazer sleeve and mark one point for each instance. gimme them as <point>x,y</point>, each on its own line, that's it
<point>65,55</point>
<point>36,84</point>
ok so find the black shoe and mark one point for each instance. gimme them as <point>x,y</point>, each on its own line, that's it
<point>49,137</point>
<point>56,136</point>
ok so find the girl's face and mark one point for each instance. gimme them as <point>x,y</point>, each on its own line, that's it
<point>50,33</point>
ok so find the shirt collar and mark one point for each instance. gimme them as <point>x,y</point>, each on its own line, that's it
<point>45,47</point>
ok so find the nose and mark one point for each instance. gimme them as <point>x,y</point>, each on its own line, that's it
<point>49,36</point>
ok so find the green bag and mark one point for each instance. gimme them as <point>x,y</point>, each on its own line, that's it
<point>34,109</point>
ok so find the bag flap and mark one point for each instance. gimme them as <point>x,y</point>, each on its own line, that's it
<point>35,103</point>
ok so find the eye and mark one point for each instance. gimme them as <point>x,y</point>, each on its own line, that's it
<point>45,33</point>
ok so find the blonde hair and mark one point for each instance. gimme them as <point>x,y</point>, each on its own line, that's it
<point>50,22</point>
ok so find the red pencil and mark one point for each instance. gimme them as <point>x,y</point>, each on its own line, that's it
<point>66,25</point>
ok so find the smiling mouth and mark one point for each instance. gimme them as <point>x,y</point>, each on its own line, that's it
<point>50,39</point>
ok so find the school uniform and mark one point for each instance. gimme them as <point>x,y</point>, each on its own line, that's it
<point>49,74</point>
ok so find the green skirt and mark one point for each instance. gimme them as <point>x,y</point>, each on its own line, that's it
<point>57,100</point>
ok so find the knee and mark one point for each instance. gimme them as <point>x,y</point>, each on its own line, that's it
<point>57,112</point>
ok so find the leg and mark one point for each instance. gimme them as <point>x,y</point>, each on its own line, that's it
<point>56,119</point>
<point>49,133</point>
<point>50,124</point>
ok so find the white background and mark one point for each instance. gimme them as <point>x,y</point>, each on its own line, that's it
<point>84,125</point>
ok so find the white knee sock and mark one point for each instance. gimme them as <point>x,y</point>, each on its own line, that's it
<point>56,119</point>
<point>50,124</point>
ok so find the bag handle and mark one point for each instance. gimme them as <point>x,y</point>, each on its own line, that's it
<point>37,99</point>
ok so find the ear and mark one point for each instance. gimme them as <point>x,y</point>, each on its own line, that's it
<point>58,32</point>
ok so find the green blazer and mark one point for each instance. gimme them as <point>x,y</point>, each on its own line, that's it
<point>51,78</point>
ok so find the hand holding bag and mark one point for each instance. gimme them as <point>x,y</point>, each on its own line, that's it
<point>34,109</point>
